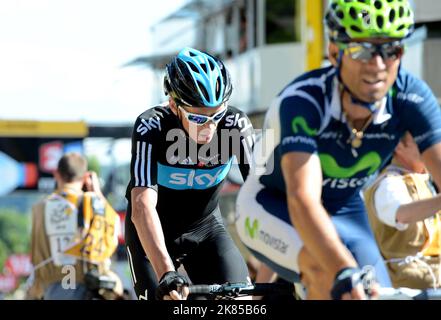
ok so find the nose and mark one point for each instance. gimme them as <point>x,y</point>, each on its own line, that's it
<point>377,62</point>
<point>208,127</point>
<point>210,124</point>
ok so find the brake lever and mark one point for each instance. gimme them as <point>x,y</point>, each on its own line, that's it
<point>368,280</point>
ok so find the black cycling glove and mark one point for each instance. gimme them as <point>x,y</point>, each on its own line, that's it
<point>345,280</point>
<point>170,281</point>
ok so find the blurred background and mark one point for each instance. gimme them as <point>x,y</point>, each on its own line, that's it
<point>74,75</point>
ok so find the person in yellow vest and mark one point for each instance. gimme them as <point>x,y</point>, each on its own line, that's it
<point>74,234</point>
<point>403,210</point>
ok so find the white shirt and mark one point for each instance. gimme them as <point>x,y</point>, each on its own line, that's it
<point>391,193</point>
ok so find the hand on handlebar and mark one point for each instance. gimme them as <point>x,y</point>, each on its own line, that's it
<point>354,284</point>
<point>172,286</point>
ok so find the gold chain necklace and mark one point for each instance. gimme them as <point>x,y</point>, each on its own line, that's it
<point>356,136</point>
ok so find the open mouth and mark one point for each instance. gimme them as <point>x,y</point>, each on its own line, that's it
<point>374,84</point>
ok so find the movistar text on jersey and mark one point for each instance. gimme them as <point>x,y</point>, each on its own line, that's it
<point>273,242</point>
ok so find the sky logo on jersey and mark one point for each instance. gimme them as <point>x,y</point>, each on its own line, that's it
<point>147,125</point>
<point>234,120</point>
<point>331,168</point>
<point>185,178</point>
<point>301,122</point>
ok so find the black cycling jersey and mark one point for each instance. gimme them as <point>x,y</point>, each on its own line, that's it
<point>187,176</point>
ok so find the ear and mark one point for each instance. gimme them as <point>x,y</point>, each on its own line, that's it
<point>57,177</point>
<point>333,53</point>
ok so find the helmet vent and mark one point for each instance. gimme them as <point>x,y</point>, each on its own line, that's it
<point>341,29</point>
<point>218,88</point>
<point>356,29</point>
<point>366,17</point>
<point>211,65</point>
<point>204,67</point>
<point>340,14</point>
<point>192,54</point>
<point>401,12</point>
<point>167,88</point>
<point>353,13</point>
<point>188,79</point>
<point>400,27</point>
<point>378,5</point>
<point>380,22</point>
<point>392,16</point>
<point>362,1</point>
<point>193,67</point>
<point>204,91</point>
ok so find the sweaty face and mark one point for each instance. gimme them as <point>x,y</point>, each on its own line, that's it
<point>369,80</point>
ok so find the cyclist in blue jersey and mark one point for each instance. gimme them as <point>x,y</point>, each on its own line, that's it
<point>334,129</point>
<point>181,153</point>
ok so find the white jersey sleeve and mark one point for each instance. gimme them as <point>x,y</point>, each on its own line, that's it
<point>390,195</point>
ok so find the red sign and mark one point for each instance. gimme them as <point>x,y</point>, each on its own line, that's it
<point>122,217</point>
<point>50,154</point>
<point>7,283</point>
<point>19,265</point>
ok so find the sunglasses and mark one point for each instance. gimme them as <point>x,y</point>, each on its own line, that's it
<point>201,119</point>
<point>365,51</point>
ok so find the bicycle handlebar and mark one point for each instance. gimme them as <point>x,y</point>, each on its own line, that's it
<point>409,294</point>
<point>232,290</point>
<point>242,289</point>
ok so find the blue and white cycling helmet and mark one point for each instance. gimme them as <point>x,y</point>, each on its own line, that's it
<point>197,79</point>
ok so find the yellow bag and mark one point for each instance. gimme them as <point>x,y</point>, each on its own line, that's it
<point>100,231</point>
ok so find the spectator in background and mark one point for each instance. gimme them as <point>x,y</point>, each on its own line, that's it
<point>403,211</point>
<point>74,234</point>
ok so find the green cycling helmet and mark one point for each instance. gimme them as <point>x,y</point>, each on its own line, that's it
<point>354,19</point>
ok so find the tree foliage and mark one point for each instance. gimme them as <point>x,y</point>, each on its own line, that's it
<point>14,234</point>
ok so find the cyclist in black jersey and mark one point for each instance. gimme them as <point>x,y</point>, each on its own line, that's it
<point>182,151</point>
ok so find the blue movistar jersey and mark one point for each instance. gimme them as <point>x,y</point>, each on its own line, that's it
<point>306,117</point>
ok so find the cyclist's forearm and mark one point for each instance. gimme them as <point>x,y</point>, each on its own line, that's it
<point>418,210</point>
<point>319,235</point>
<point>149,229</point>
